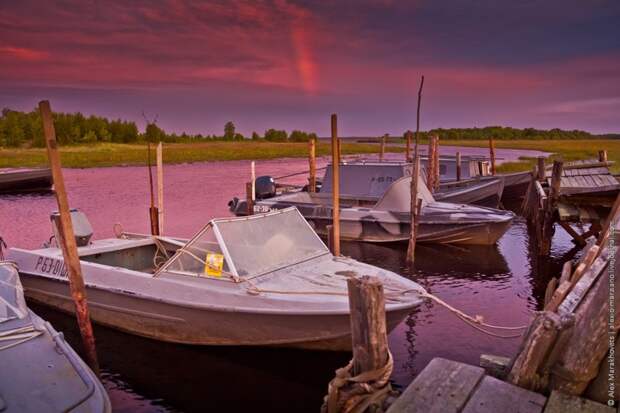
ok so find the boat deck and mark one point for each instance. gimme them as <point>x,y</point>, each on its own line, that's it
<point>450,386</point>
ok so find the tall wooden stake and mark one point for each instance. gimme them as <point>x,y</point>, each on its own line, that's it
<point>458,166</point>
<point>68,244</point>
<point>602,156</point>
<point>382,148</point>
<point>549,213</point>
<point>335,186</point>
<point>408,150</point>
<point>413,231</point>
<point>492,154</point>
<point>312,162</point>
<point>253,180</point>
<point>430,164</point>
<point>417,127</point>
<point>153,213</point>
<point>541,168</point>
<point>436,165</point>
<point>160,187</point>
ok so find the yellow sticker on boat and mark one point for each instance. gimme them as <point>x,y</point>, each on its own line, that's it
<point>214,264</point>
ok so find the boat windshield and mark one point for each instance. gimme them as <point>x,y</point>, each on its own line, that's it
<point>12,303</point>
<point>248,246</point>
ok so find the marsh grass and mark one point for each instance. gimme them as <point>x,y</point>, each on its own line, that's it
<point>109,154</point>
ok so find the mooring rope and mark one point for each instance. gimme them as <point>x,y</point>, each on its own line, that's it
<point>362,391</point>
<point>21,334</point>
<point>475,322</point>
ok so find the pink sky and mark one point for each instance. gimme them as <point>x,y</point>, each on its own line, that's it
<point>289,64</point>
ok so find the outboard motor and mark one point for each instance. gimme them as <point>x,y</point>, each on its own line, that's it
<point>265,187</point>
<point>81,227</point>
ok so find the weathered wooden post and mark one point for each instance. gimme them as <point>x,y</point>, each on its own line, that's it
<point>160,187</point>
<point>492,154</point>
<point>408,149</point>
<point>368,324</point>
<point>430,164</point>
<point>436,165</point>
<point>541,168</point>
<point>602,156</point>
<point>67,241</point>
<point>413,231</point>
<point>371,354</point>
<point>312,162</point>
<point>153,212</point>
<point>382,148</point>
<point>458,166</point>
<point>549,213</point>
<point>335,186</point>
<point>248,198</point>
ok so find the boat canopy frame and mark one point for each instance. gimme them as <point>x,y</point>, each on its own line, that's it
<point>233,272</point>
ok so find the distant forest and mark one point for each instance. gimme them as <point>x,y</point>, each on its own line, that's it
<point>24,129</point>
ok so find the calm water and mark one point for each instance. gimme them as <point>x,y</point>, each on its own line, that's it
<point>504,283</point>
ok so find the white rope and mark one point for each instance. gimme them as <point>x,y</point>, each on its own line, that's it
<point>21,334</point>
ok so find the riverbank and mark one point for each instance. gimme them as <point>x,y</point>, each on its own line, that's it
<point>88,156</point>
<point>110,154</point>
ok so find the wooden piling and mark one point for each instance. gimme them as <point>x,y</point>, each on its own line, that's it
<point>160,187</point>
<point>602,156</point>
<point>413,231</point>
<point>430,164</point>
<point>549,214</point>
<point>335,185</point>
<point>436,174</point>
<point>67,241</point>
<point>540,170</point>
<point>382,148</point>
<point>253,180</point>
<point>408,148</point>
<point>368,324</point>
<point>492,154</point>
<point>312,164</point>
<point>249,198</point>
<point>153,212</point>
<point>458,166</point>
<point>417,127</point>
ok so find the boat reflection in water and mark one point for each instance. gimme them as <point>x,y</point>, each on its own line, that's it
<point>143,375</point>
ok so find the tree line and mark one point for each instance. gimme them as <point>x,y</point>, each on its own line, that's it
<point>24,129</point>
<point>506,133</point>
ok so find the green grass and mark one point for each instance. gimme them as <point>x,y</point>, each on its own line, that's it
<point>87,156</point>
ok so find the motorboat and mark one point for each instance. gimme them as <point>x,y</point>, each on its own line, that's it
<point>389,219</point>
<point>40,371</point>
<point>25,180</point>
<point>260,280</point>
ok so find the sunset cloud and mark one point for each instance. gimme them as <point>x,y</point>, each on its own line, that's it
<point>290,63</point>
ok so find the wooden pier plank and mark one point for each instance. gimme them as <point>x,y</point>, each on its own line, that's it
<point>564,403</point>
<point>443,386</point>
<point>494,395</point>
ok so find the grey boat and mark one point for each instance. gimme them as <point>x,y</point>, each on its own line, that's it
<point>40,372</point>
<point>261,280</point>
<point>25,180</point>
<point>389,219</point>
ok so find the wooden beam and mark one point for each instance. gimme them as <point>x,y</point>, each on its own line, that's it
<point>602,156</point>
<point>458,166</point>
<point>312,165</point>
<point>382,148</point>
<point>492,154</point>
<point>540,170</point>
<point>408,148</point>
<point>335,186</point>
<point>67,241</point>
<point>413,230</point>
<point>160,187</point>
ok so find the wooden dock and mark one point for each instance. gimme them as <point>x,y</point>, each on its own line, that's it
<point>561,366</point>
<point>446,386</point>
<point>580,192</point>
